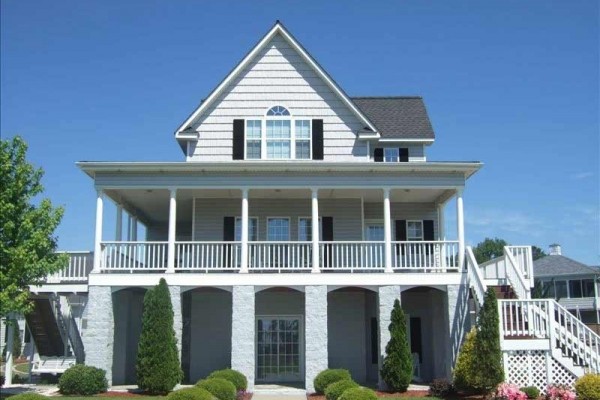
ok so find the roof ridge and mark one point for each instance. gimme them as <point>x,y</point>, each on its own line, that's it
<point>386,97</point>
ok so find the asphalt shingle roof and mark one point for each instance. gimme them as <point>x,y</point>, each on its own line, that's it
<point>397,117</point>
<point>556,265</point>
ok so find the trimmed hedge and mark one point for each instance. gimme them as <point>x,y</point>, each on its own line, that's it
<point>237,378</point>
<point>440,388</point>
<point>83,380</point>
<point>335,390</point>
<point>359,393</point>
<point>29,396</point>
<point>221,388</point>
<point>588,387</point>
<point>194,393</point>
<point>329,376</point>
<point>531,391</point>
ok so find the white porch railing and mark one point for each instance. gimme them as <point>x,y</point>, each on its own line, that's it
<point>80,266</point>
<point>523,257</point>
<point>207,256</point>
<point>515,277</point>
<point>133,256</point>
<point>279,256</point>
<point>352,256</point>
<point>431,256</point>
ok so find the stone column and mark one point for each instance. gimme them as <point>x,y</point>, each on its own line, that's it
<point>242,332</point>
<point>175,292</point>
<point>458,322</point>
<point>316,355</point>
<point>98,336</point>
<point>387,296</point>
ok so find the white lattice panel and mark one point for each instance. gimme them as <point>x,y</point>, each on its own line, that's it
<point>528,368</point>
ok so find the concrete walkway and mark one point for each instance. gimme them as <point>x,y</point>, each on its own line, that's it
<point>278,392</point>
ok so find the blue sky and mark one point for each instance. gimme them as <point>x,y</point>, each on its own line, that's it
<point>511,83</point>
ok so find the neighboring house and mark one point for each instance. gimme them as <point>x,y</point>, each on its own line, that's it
<point>298,217</point>
<point>574,285</point>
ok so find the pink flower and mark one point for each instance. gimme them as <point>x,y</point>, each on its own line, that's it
<point>508,391</point>
<point>559,392</point>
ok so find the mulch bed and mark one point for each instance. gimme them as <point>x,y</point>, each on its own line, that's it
<point>121,394</point>
<point>410,393</point>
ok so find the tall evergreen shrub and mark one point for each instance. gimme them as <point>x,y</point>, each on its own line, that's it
<point>488,370</point>
<point>158,368</point>
<point>397,367</point>
<point>463,371</point>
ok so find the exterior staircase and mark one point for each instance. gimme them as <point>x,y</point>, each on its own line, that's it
<point>44,328</point>
<point>541,341</point>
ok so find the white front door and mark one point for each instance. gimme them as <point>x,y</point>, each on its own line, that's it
<point>279,349</point>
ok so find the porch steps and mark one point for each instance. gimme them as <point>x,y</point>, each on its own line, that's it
<point>44,328</point>
<point>504,292</point>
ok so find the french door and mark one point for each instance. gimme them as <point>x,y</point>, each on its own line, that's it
<point>279,349</point>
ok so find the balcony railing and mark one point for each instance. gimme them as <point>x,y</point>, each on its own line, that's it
<point>275,256</point>
<point>79,267</point>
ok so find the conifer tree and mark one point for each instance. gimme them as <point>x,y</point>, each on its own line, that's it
<point>397,367</point>
<point>487,366</point>
<point>463,371</point>
<point>158,368</point>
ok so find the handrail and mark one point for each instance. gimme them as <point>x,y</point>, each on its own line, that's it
<point>515,277</point>
<point>523,255</point>
<point>207,256</point>
<point>60,321</point>
<point>475,276</point>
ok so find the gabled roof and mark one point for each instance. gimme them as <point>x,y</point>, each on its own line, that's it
<point>397,117</point>
<point>555,265</point>
<point>278,28</point>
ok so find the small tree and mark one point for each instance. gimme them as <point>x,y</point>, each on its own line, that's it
<point>158,368</point>
<point>397,367</point>
<point>488,370</point>
<point>537,253</point>
<point>489,249</point>
<point>463,372</point>
<point>27,241</point>
<point>16,348</point>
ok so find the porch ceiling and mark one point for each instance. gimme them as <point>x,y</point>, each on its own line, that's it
<point>152,205</point>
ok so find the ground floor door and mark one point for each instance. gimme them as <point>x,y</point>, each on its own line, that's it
<point>279,349</point>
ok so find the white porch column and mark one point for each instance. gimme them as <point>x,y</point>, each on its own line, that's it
<point>172,232</point>
<point>134,226</point>
<point>315,231</point>
<point>244,232</point>
<point>129,226</point>
<point>242,332</point>
<point>441,222</point>
<point>119,230</point>
<point>387,228</point>
<point>315,333</point>
<point>387,297</point>
<point>460,226</point>
<point>10,339</point>
<point>98,237</point>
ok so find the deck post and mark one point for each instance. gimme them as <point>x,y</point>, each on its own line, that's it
<point>10,338</point>
<point>460,226</point>
<point>172,230</point>
<point>315,230</point>
<point>98,236</point>
<point>387,227</point>
<point>244,232</point>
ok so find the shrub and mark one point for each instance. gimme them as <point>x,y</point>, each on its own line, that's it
<point>531,391</point>
<point>335,390</point>
<point>440,388</point>
<point>508,391</point>
<point>359,393</point>
<point>488,370</point>
<point>463,371</point>
<point>194,393</point>
<point>588,387</point>
<point>29,396</point>
<point>157,368</point>
<point>329,376</point>
<point>237,378</point>
<point>83,380</point>
<point>397,370</point>
<point>559,392</point>
<point>221,388</point>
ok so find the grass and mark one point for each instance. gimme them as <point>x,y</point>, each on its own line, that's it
<point>22,368</point>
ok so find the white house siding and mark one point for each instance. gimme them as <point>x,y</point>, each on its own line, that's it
<point>209,214</point>
<point>416,152</point>
<point>403,211</point>
<point>278,76</point>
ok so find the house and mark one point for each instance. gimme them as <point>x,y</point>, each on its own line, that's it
<point>574,285</point>
<point>297,217</point>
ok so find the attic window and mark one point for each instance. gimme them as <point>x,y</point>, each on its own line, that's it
<point>278,111</point>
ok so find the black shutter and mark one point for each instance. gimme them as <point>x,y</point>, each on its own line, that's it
<point>238,139</point>
<point>327,228</point>
<point>378,154</point>
<point>400,235</point>
<point>403,151</point>
<point>428,235</point>
<point>317,139</point>
<point>228,236</point>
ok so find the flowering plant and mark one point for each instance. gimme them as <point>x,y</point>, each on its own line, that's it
<point>508,391</point>
<point>559,392</point>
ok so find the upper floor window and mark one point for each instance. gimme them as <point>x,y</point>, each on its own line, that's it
<point>414,230</point>
<point>278,136</point>
<point>391,154</point>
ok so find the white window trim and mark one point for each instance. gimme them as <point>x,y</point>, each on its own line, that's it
<point>289,228</point>
<point>309,218</point>
<point>397,154</point>
<point>249,218</point>
<point>422,230</point>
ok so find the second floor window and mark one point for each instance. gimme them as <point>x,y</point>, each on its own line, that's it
<point>253,139</point>
<point>414,230</point>
<point>391,154</point>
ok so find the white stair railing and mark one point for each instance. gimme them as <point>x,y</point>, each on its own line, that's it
<point>515,277</point>
<point>523,256</point>
<point>475,277</point>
